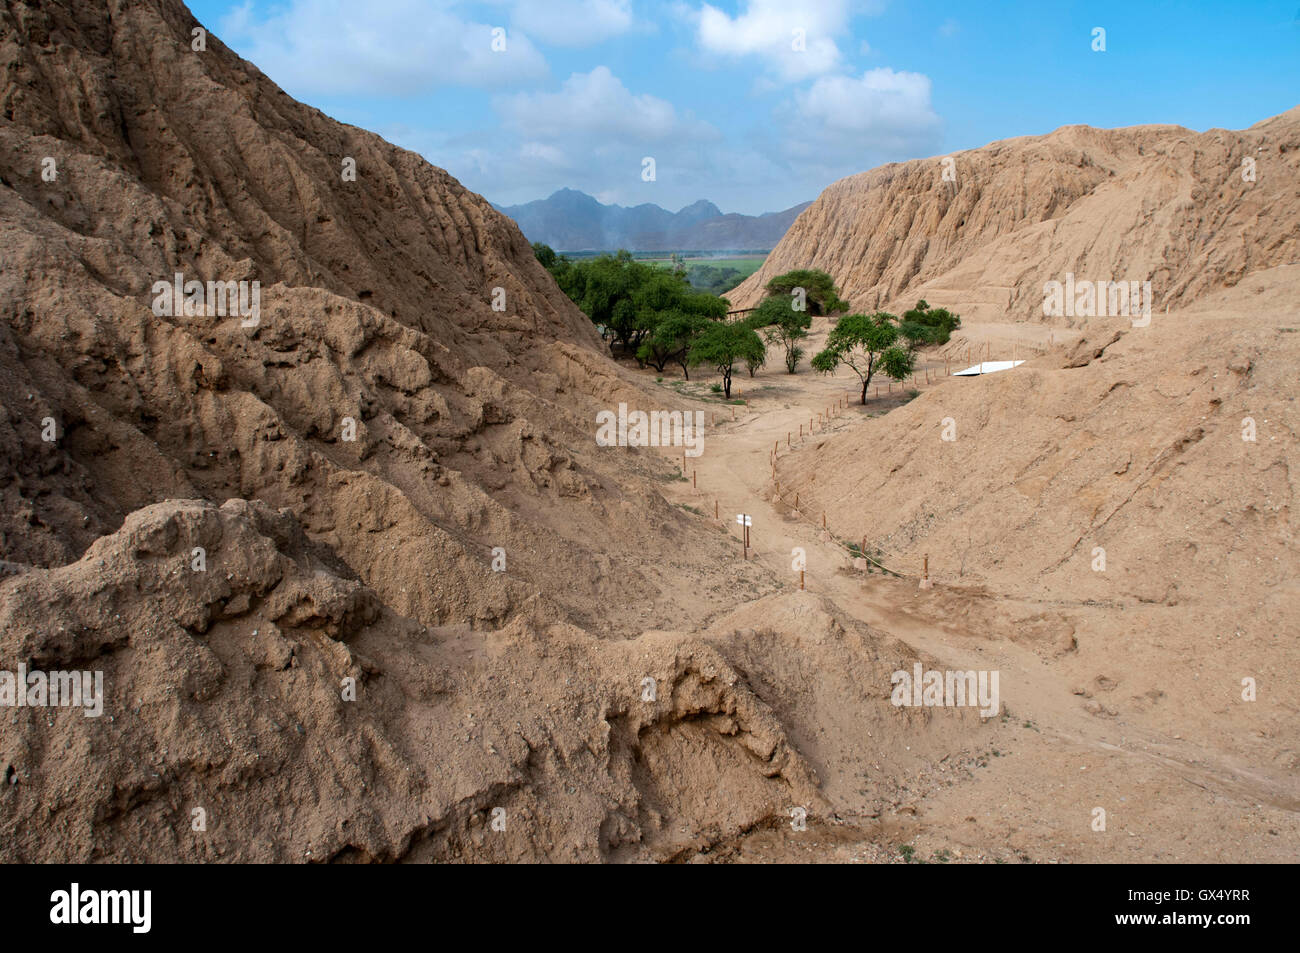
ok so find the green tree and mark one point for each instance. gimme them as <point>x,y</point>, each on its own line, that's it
<point>722,345</point>
<point>866,343</point>
<point>665,297</point>
<point>671,340</point>
<point>621,296</point>
<point>546,255</point>
<point>914,334</point>
<point>706,305</point>
<point>627,300</point>
<point>560,267</point>
<point>781,324</point>
<point>714,279</point>
<point>926,325</point>
<point>602,288</point>
<point>819,290</point>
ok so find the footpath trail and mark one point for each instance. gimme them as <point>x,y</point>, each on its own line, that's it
<point>736,471</point>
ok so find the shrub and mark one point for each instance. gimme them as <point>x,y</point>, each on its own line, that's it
<point>722,346</point>
<point>782,325</point>
<point>818,287</point>
<point>926,325</point>
<point>867,344</point>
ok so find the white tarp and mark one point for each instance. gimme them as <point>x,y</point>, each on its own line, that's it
<point>986,367</point>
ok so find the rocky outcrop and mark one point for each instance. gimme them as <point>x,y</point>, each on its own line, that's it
<point>259,704</point>
<point>412,395</point>
<point>983,231</point>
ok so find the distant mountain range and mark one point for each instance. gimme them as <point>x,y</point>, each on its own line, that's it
<point>570,220</point>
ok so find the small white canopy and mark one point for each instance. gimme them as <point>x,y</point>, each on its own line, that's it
<point>986,367</point>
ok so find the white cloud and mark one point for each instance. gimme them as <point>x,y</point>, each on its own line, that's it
<point>573,22</point>
<point>238,20</point>
<point>881,104</point>
<point>591,131</point>
<point>386,47</point>
<point>543,152</point>
<point>597,106</point>
<point>844,124</point>
<point>590,134</point>
<point>795,39</point>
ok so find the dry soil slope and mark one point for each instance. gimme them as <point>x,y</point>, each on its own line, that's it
<point>1131,443</point>
<point>376,305</point>
<point>366,559</point>
<point>1157,203</point>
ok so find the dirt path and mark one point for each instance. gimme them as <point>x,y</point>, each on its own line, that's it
<point>1057,742</point>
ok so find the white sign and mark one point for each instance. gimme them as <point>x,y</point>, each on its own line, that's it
<point>743,520</point>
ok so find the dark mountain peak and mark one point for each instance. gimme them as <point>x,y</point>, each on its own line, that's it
<point>572,220</point>
<point>569,198</point>
<point>699,210</point>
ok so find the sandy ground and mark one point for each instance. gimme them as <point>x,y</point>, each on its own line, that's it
<point>1025,785</point>
<point>348,674</point>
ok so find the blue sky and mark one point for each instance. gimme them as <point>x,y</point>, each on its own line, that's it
<point>755,105</point>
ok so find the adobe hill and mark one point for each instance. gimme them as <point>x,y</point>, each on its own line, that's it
<point>280,543</point>
<point>326,557</point>
<point>1120,442</point>
<point>1148,203</point>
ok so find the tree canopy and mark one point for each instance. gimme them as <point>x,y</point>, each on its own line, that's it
<point>722,345</point>
<point>866,343</point>
<point>925,325</point>
<point>781,324</point>
<point>671,340</point>
<point>819,290</point>
<point>629,300</point>
<point>714,279</point>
